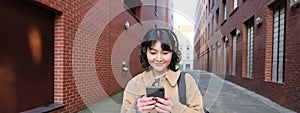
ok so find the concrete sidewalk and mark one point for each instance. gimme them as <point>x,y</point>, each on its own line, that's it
<point>110,104</point>
<point>219,96</point>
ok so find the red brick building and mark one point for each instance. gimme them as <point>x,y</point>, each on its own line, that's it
<point>70,54</point>
<point>253,43</point>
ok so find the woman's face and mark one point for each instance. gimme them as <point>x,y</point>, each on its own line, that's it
<point>158,58</point>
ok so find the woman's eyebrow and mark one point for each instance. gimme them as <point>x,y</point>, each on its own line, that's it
<point>152,49</point>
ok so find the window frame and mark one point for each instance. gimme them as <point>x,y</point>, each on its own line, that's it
<point>217,16</point>
<point>224,10</point>
<point>234,4</point>
<point>234,52</point>
<point>212,25</point>
<point>187,66</point>
<point>134,11</point>
<point>278,76</point>
<point>250,46</point>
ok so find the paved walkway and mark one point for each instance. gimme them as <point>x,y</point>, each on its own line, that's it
<point>219,96</point>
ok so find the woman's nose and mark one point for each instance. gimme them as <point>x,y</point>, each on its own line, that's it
<point>158,57</point>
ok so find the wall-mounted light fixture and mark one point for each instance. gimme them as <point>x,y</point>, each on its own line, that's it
<point>155,13</point>
<point>218,44</point>
<point>294,4</point>
<point>225,39</point>
<point>124,68</point>
<point>126,25</point>
<point>238,32</point>
<point>259,21</point>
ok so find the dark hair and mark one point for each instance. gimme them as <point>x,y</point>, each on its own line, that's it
<point>168,40</point>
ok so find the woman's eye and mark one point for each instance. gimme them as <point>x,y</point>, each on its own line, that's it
<point>165,53</point>
<point>152,53</point>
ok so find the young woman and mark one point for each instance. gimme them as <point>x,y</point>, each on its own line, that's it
<point>159,57</point>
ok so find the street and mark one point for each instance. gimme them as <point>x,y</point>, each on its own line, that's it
<point>219,96</point>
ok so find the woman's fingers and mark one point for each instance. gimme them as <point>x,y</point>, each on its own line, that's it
<point>147,108</point>
<point>167,101</point>
<point>142,104</point>
<point>158,109</point>
<point>163,108</point>
<point>145,104</point>
<point>164,105</point>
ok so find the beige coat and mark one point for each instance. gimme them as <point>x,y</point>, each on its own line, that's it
<point>136,88</point>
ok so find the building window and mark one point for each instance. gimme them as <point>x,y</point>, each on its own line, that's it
<point>224,9</point>
<point>134,8</point>
<point>187,56</point>
<point>212,25</point>
<point>155,7</point>
<point>207,59</point>
<point>233,53</point>
<point>209,6</point>
<point>187,47</point>
<point>188,67</point>
<point>180,67</point>
<point>278,43</point>
<point>203,40</point>
<point>212,51</point>
<point>208,34</point>
<point>200,40</point>
<point>235,4</point>
<point>217,17</point>
<point>217,57</point>
<point>250,35</point>
<point>206,12</point>
<point>225,57</point>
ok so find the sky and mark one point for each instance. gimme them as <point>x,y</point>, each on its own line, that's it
<point>184,14</point>
<point>184,11</point>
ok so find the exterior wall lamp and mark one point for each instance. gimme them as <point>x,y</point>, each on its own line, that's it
<point>294,4</point>
<point>218,44</point>
<point>225,39</point>
<point>259,21</point>
<point>238,32</point>
<point>124,68</point>
<point>126,25</point>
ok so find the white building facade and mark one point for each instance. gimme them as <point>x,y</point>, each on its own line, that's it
<point>185,36</point>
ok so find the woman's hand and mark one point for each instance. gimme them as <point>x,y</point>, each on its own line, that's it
<point>164,105</point>
<point>145,104</point>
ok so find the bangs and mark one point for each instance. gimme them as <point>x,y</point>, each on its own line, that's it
<point>164,46</point>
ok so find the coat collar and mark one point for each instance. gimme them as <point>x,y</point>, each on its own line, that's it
<point>172,77</point>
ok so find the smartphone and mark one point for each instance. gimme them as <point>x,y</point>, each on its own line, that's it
<point>155,91</point>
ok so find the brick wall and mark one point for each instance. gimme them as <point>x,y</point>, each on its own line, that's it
<point>286,93</point>
<point>90,45</point>
<point>136,67</point>
<point>66,27</point>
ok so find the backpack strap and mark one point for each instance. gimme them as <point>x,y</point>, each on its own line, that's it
<point>182,88</point>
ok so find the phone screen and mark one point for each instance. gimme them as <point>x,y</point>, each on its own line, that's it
<point>155,91</point>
